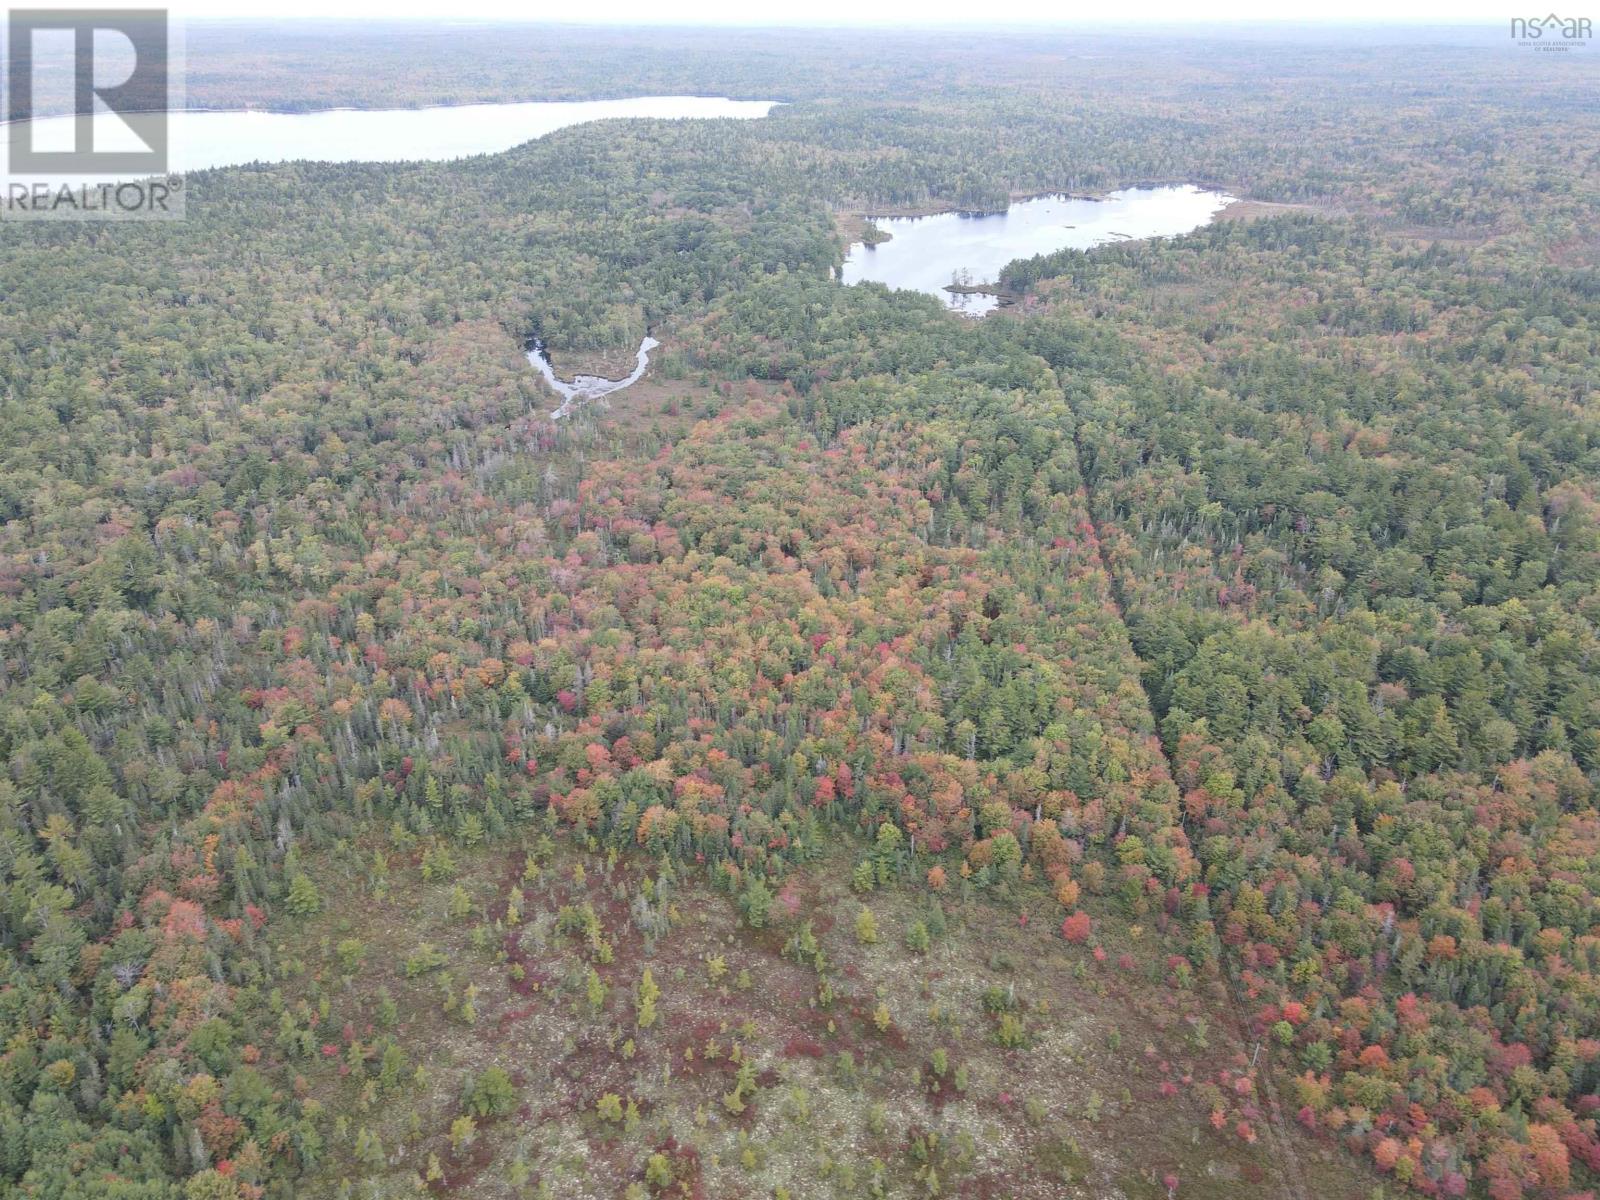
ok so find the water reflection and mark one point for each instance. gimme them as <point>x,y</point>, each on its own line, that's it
<point>200,140</point>
<point>930,254</point>
<point>585,387</point>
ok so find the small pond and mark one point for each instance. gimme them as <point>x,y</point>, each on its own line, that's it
<point>929,254</point>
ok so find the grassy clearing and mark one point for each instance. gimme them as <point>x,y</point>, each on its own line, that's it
<point>997,1062</point>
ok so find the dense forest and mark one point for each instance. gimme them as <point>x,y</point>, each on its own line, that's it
<point>1142,743</point>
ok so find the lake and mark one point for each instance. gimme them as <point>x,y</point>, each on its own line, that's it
<point>224,139</point>
<point>925,253</point>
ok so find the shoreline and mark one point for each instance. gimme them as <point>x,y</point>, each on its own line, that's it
<point>855,227</point>
<point>410,108</point>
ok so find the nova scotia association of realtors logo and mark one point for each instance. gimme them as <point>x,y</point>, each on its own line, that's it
<point>1552,32</point>
<point>88,92</point>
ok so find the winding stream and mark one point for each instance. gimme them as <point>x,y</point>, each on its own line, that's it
<point>585,387</point>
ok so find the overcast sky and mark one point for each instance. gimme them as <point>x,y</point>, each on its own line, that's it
<point>885,12</point>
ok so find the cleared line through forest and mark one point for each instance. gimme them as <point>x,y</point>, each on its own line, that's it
<point>1294,1177</point>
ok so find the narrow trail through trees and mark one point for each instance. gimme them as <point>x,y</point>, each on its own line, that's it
<point>1294,1176</point>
